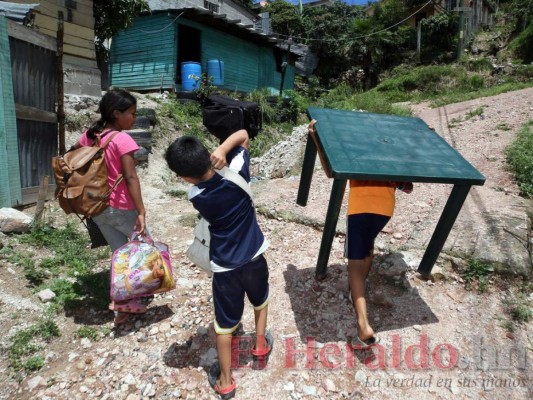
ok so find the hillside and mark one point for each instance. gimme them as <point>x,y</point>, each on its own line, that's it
<point>467,332</point>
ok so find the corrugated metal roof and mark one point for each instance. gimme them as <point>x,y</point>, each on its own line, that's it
<point>221,22</point>
<point>15,11</point>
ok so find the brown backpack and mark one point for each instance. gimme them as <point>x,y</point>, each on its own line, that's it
<point>81,179</point>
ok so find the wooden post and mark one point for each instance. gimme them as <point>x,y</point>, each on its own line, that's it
<point>60,89</point>
<point>461,32</point>
<point>41,199</point>
<point>418,39</point>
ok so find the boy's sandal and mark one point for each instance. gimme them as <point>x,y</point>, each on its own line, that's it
<point>130,307</point>
<point>225,393</point>
<point>261,356</point>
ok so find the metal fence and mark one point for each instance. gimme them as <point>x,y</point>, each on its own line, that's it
<point>33,78</point>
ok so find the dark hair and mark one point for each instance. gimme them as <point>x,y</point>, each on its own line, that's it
<point>119,100</point>
<point>188,157</point>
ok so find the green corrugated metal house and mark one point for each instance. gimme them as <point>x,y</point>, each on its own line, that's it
<point>148,55</point>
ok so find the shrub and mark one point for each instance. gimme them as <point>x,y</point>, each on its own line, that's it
<point>520,158</point>
<point>522,45</point>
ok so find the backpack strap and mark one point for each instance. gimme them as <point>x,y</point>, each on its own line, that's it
<point>236,178</point>
<point>119,177</point>
<point>102,146</point>
<point>109,139</point>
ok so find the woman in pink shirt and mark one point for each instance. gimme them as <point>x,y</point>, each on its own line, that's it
<point>126,212</point>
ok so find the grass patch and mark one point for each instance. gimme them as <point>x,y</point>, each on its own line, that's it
<point>67,270</point>
<point>87,332</point>
<point>346,98</point>
<point>180,194</point>
<point>519,155</point>
<point>26,344</point>
<point>459,96</point>
<point>474,113</point>
<point>503,127</point>
<point>454,122</point>
<point>446,84</point>
<point>477,274</point>
<point>69,250</point>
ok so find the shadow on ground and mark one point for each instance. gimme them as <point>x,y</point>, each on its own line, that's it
<point>323,311</point>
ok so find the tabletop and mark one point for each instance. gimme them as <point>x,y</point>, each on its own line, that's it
<point>362,145</point>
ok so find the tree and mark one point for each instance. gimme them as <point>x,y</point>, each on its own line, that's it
<point>326,32</point>
<point>522,10</point>
<point>110,17</point>
<point>285,19</point>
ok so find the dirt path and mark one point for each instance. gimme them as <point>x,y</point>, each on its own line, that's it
<point>438,340</point>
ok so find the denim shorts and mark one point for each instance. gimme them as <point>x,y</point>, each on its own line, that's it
<point>116,225</point>
<point>229,288</point>
<point>361,231</point>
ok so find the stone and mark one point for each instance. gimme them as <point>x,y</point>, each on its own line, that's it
<point>129,379</point>
<point>46,295</point>
<point>14,221</point>
<point>437,274</point>
<point>208,358</point>
<point>330,385</point>
<point>35,382</point>
<point>289,386</point>
<point>164,327</point>
<point>202,331</point>
<point>360,376</point>
<point>309,390</point>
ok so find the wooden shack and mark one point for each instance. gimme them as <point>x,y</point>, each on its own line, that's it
<point>81,73</point>
<point>149,55</point>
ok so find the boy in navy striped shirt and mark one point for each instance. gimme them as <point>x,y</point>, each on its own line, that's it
<point>237,245</point>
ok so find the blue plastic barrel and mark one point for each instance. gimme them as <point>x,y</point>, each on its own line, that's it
<point>215,70</point>
<point>190,73</point>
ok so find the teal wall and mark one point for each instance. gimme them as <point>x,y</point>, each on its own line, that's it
<point>139,59</point>
<point>10,187</point>
<point>144,56</point>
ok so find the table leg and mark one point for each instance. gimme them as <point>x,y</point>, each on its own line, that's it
<point>332,216</point>
<point>443,228</point>
<point>307,172</point>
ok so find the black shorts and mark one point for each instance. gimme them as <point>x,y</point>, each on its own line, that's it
<point>361,231</point>
<point>230,287</point>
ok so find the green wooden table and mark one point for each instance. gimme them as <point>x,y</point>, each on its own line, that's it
<point>366,146</point>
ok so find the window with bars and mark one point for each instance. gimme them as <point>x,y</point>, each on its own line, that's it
<point>211,6</point>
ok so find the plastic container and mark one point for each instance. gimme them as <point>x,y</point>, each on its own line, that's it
<point>190,74</point>
<point>215,71</point>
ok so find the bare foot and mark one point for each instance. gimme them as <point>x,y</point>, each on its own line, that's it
<point>365,333</point>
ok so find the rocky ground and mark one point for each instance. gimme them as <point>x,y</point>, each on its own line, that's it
<point>439,339</point>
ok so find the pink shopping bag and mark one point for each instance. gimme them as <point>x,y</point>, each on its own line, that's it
<point>139,268</point>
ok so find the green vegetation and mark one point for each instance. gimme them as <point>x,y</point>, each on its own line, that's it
<point>521,311</point>
<point>519,306</point>
<point>67,270</point>
<point>87,332</point>
<point>477,274</point>
<point>111,17</point>
<point>26,344</point>
<point>520,158</point>
<point>503,127</point>
<point>180,194</point>
<point>474,113</point>
<point>448,84</point>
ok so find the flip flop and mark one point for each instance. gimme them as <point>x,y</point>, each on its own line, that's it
<point>130,307</point>
<point>121,318</point>
<point>260,357</point>
<point>361,344</point>
<point>225,393</point>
